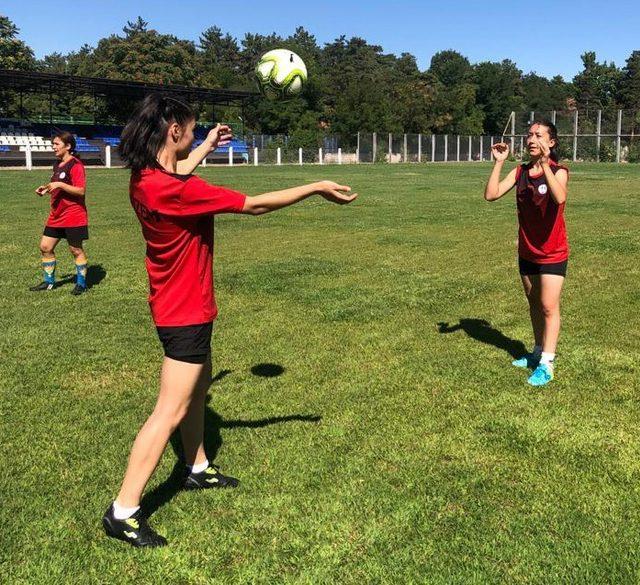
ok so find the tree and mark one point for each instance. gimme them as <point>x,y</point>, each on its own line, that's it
<point>629,83</point>
<point>596,85</point>
<point>499,92</point>
<point>14,53</point>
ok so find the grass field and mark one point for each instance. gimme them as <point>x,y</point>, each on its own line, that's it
<point>373,446</point>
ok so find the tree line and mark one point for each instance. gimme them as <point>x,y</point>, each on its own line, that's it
<point>353,85</point>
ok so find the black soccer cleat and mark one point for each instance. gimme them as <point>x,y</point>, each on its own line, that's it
<point>42,286</point>
<point>135,530</point>
<point>78,290</point>
<point>209,478</point>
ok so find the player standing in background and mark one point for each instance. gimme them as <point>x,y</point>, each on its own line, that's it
<point>541,191</point>
<point>68,217</point>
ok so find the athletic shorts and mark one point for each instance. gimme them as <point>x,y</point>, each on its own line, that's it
<point>187,343</point>
<point>531,268</point>
<point>71,234</point>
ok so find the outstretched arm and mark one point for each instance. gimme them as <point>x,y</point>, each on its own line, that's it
<point>267,202</point>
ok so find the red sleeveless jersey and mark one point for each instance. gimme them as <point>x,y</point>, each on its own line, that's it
<point>542,236</point>
<point>68,210</point>
<point>176,214</point>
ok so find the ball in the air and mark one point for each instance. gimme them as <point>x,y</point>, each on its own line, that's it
<point>281,74</point>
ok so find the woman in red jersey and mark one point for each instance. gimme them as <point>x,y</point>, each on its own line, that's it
<point>541,191</point>
<point>68,218</point>
<point>176,210</point>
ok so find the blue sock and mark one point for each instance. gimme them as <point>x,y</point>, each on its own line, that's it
<point>81,275</point>
<point>49,267</point>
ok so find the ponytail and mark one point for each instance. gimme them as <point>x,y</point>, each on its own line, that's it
<point>145,133</point>
<point>553,134</point>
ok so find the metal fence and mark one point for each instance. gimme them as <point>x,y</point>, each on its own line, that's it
<point>589,135</point>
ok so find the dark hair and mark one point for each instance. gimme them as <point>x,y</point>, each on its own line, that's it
<point>67,138</point>
<point>553,134</point>
<point>146,131</point>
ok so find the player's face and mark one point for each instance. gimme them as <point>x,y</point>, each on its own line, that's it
<point>538,132</point>
<point>183,146</point>
<point>59,147</point>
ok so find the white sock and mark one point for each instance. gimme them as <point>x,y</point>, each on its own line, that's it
<point>547,359</point>
<point>537,350</point>
<point>199,467</point>
<point>122,513</point>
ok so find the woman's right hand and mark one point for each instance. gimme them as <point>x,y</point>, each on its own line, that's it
<point>41,190</point>
<point>500,151</point>
<point>334,192</point>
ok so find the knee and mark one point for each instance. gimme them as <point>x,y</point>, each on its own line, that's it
<point>76,252</point>
<point>46,249</point>
<point>170,417</point>
<point>549,309</point>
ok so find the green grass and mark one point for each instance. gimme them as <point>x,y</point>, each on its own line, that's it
<point>385,451</point>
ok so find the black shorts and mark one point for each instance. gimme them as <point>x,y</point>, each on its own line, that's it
<point>531,268</point>
<point>187,343</point>
<point>71,234</point>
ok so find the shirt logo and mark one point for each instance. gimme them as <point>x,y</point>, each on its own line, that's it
<point>542,189</point>
<point>63,175</point>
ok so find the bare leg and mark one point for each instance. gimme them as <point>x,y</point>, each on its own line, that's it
<point>531,285</point>
<point>77,252</point>
<point>192,425</point>
<point>47,248</point>
<point>550,291</point>
<point>178,382</point>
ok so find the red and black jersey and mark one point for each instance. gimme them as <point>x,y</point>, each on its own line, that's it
<point>68,210</point>
<point>542,236</point>
<point>176,214</point>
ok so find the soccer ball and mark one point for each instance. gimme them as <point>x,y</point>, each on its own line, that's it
<point>281,74</point>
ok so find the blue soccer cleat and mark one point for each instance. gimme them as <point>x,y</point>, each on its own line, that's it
<point>528,360</point>
<point>542,375</point>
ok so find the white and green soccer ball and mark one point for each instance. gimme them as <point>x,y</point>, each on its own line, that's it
<point>281,74</point>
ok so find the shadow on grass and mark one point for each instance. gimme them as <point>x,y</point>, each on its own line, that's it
<point>213,423</point>
<point>481,330</point>
<point>95,275</point>
<point>267,370</point>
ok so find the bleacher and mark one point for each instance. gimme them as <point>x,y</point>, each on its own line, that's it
<point>91,141</point>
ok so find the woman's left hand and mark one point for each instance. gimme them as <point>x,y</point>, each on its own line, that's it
<point>545,151</point>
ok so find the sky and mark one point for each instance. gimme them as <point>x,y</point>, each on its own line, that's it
<point>541,36</point>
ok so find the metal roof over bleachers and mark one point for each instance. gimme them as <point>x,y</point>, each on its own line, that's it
<point>39,82</point>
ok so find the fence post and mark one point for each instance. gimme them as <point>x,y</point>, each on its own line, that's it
<point>599,135</point>
<point>532,117</point>
<point>575,136</point>
<point>521,147</point>
<point>491,151</point>
<point>513,132</point>
<point>481,148</point>
<point>300,156</point>
<point>107,156</point>
<point>320,156</point>
<point>358,149</point>
<point>204,161</point>
<point>469,154</point>
<point>458,148</point>
<point>279,156</point>
<point>433,148</point>
<point>553,116</point>
<point>28,159</point>
<point>390,146</point>
<point>231,156</point>
<point>446,147</point>
<point>420,147</point>
<point>404,145</point>
<point>255,156</point>
<point>619,136</point>
<point>375,146</point>
<point>339,156</point>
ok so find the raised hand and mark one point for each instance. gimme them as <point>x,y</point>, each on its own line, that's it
<point>545,150</point>
<point>221,135</point>
<point>340,194</point>
<point>500,151</point>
